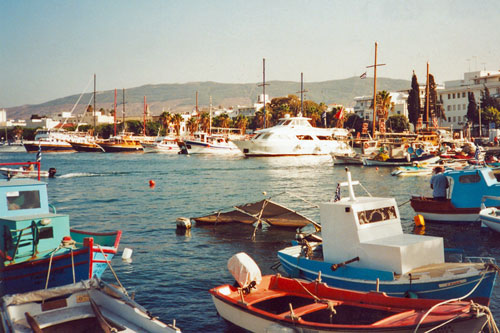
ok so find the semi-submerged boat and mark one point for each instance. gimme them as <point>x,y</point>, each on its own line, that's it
<point>467,187</point>
<point>37,247</point>
<point>364,249</point>
<point>87,306</point>
<point>274,303</point>
<point>295,136</point>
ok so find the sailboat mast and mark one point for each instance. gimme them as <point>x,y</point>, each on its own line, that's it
<point>144,130</point>
<point>114,114</point>
<point>264,88</point>
<point>302,93</point>
<point>427,97</point>
<point>210,117</point>
<point>375,92</point>
<point>94,103</point>
<point>123,113</point>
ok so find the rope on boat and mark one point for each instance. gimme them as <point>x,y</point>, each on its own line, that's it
<point>330,304</point>
<point>404,203</point>
<point>112,270</point>
<point>491,321</point>
<point>61,246</point>
<point>448,301</point>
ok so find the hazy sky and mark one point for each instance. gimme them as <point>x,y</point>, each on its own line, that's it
<point>51,49</point>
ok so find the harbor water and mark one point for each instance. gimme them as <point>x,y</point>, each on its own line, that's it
<point>170,272</point>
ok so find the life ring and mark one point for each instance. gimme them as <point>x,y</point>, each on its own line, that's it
<point>366,145</point>
<point>456,135</point>
<point>410,150</point>
<point>419,152</point>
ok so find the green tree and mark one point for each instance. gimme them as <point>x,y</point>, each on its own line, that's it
<point>490,115</point>
<point>165,119</point>
<point>192,125</point>
<point>472,111</point>
<point>432,100</point>
<point>205,121</point>
<point>414,108</point>
<point>384,104</point>
<point>398,123</point>
<point>241,122</point>
<point>488,101</point>
<point>353,121</point>
<point>177,120</point>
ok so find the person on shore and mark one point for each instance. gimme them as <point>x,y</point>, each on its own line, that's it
<point>439,184</point>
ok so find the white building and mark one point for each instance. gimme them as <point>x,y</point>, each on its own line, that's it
<point>398,98</point>
<point>249,111</point>
<point>455,98</point>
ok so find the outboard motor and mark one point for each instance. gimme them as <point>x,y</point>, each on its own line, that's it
<point>52,172</point>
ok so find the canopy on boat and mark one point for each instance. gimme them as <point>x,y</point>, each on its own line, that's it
<point>266,210</point>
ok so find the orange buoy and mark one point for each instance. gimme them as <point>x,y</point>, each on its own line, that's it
<point>376,168</point>
<point>419,221</point>
<point>152,183</point>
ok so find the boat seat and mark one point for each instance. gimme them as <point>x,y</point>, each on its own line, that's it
<point>303,310</point>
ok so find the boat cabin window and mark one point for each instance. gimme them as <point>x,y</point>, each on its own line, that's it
<point>266,136</point>
<point>491,176</point>
<point>377,215</point>
<point>325,137</point>
<point>474,178</point>
<point>23,200</point>
<point>304,137</point>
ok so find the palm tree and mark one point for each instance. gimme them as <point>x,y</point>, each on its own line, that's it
<point>384,104</point>
<point>241,123</point>
<point>205,122</point>
<point>192,125</point>
<point>177,119</point>
<point>165,119</point>
<point>224,120</point>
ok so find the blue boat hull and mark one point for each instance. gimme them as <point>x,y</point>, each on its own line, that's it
<point>32,275</point>
<point>359,279</point>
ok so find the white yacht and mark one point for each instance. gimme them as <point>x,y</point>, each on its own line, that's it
<point>294,136</point>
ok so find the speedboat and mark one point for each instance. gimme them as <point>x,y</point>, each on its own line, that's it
<point>87,306</point>
<point>364,248</point>
<point>37,247</point>
<point>490,216</point>
<point>274,303</point>
<point>294,136</point>
<point>203,143</point>
<point>27,173</point>
<point>463,203</point>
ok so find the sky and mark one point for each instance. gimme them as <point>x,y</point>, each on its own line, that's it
<point>51,49</point>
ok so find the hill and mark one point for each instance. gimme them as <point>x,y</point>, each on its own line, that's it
<point>182,97</point>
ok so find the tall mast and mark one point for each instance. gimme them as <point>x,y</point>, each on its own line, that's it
<point>123,113</point>
<point>375,88</point>
<point>94,104</point>
<point>210,117</point>
<point>197,114</point>
<point>144,130</point>
<point>264,88</point>
<point>302,91</point>
<point>114,114</point>
<point>427,97</point>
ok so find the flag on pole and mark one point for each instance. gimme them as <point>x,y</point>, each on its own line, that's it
<point>337,193</point>
<point>476,154</point>
<point>340,114</point>
<point>39,153</point>
<point>363,76</point>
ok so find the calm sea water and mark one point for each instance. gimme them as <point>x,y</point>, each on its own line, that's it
<point>170,272</point>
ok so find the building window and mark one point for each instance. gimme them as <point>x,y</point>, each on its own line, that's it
<point>449,96</point>
<point>454,119</point>
<point>463,94</point>
<point>458,107</point>
<point>464,107</point>
<point>454,107</point>
<point>449,108</point>
<point>459,119</point>
<point>453,95</point>
<point>449,119</point>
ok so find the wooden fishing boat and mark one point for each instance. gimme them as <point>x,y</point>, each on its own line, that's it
<point>490,216</point>
<point>364,248</point>
<point>87,306</point>
<point>37,248</point>
<point>121,144</point>
<point>277,304</point>
<point>463,203</point>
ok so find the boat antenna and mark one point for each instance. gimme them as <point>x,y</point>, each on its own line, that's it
<point>263,85</point>
<point>123,113</point>
<point>93,113</point>
<point>375,88</point>
<point>210,117</point>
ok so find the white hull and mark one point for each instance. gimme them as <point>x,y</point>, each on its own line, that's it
<point>12,149</point>
<point>490,219</point>
<point>202,148</point>
<point>16,173</point>
<point>450,217</point>
<point>292,147</point>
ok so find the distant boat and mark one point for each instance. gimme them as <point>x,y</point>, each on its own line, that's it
<point>86,144</point>
<point>50,142</point>
<point>273,303</point>
<point>295,136</point>
<point>12,147</point>
<point>87,306</point>
<point>121,144</point>
<point>27,173</point>
<point>203,143</point>
<point>164,144</point>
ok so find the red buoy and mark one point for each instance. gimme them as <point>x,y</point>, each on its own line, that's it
<point>152,183</point>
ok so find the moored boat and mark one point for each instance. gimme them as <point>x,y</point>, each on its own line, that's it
<point>203,143</point>
<point>165,144</point>
<point>277,304</point>
<point>120,144</point>
<point>463,202</point>
<point>49,141</point>
<point>295,136</point>
<point>36,245</point>
<point>87,306</point>
<point>364,248</point>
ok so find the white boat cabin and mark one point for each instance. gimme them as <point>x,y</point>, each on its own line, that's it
<point>370,228</point>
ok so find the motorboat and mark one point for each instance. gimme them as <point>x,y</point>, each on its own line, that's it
<point>12,147</point>
<point>49,141</point>
<point>426,169</point>
<point>490,216</point>
<point>86,143</point>
<point>165,144</point>
<point>37,247</point>
<point>364,248</point>
<point>27,173</point>
<point>294,136</point>
<point>466,189</point>
<point>120,144</point>
<point>86,306</point>
<point>203,143</point>
<point>273,303</point>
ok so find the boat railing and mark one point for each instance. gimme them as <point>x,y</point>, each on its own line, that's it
<point>37,164</point>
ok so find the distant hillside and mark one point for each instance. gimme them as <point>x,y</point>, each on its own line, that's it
<point>182,97</point>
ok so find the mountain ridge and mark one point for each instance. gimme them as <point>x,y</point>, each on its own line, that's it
<point>181,97</point>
